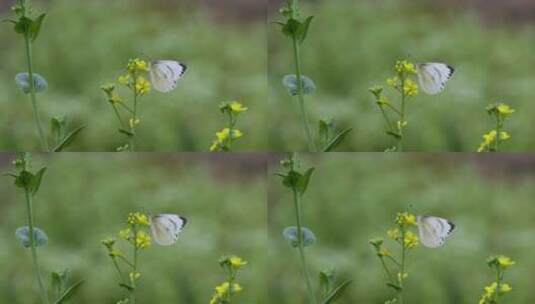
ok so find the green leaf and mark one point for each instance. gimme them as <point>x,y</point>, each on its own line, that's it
<point>303,181</point>
<point>291,179</point>
<point>35,182</point>
<point>291,28</point>
<point>59,281</point>
<point>325,130</point>
<point>23,235</point>
<point>336,140</point>
<point>396,287</point>
<point>24,179</point>
<point>326,281</point>
<point>290,234</point>
<point>35,27</point>
<point>126,286</point>
<point>23,81</point>
<point>69,292</point>
<point>337,292</point>
<point>126,132</point>
<point>290,83</point>
<point>302,31</point>
<point>68,139</point>
<point>23,25</point>
<point>395,135</point>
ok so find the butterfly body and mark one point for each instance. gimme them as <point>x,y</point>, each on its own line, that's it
<point>165,74</point>
<point>433,76</point>
<point>165,228</point>
<point>434,230</point>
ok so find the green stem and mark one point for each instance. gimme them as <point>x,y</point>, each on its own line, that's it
<point>387,271</point>
<point>498,283</point>
<point>300,96</point>
<point>230,283</point>
<point>402,268</point>
<point>402,115</point>
<point>133,123</point>
<point>28,43</point>
<point>297,203</point>
<point>121,277</point>
<point>42,288</point>
<point>498,130</point>
<point>134,270</point>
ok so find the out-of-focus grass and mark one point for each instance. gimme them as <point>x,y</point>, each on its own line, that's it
<point>354,198</point>
<point>86,197</point>
<point>84,44</point>
<point>353,45</point>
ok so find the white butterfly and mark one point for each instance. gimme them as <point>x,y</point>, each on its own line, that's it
<point>165,74</point>
<point>433,76</point>
<point>434,230</point>
<point>165,228</point>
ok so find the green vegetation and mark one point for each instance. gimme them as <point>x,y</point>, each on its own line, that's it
<point>86,44</point>
<point>353,198</point>
<point>356,43</point>
<point>85,197</point>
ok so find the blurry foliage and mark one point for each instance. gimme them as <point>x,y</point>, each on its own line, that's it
<point>355,43</point>
<point>86,43</point>
<point>87,196</point>
<point>353,197</point>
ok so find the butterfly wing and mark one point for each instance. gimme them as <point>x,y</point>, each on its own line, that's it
<point>434,76</point>
<point>434,230</point>
<point>166,228</point>
<point>165,74</point>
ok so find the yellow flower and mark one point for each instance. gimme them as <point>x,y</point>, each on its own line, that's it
<point>143,240</point>
<point>410,88</point>
<point>236,287</point>
<point>383,100</point>
<point>405,66</point>
<point>222,289</point>
<point>405,219</point>
<point>138,218</point>
<point>237,262</point>
<point>488,139</point>
<point>505,288</point>
<point>236,133</point>
<point>135,65</point>
<point>411,240</point>
<point>401,124</point>
<point>223,134</point>
<point>124,79</point>
<point>215,146</point>
<point>237,107</point>
<point>142,86</point>
<point>125,234</point>
<point>383,252</point>
<point>505,262</point>
<point>504,135</point>
<point>504,109</point>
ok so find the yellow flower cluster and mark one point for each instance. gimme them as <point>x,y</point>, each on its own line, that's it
<point>410,88</point>
<point>222,292</point>
<point>404,219</point>
<point>143,86</point>
<point>223,139</point>
<point>237,107</point>
<point>490,292</point>
<point>504,109</point>
<point>405,67</point>
<point>113,96</point>
<point>137,65</point>
<point>237,262</point>
<point>490,138</point>
<point>143,240</point>
<point>411,240</point>
<point>138,218</point>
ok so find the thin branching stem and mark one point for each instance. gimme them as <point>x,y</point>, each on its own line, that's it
<point>300,245</point>
<point>42,288</point>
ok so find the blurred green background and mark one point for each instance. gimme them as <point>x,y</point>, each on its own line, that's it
<point>84,44</point>
<point>353,198</point>
<point>353,45</point>
<point>85,198</point>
